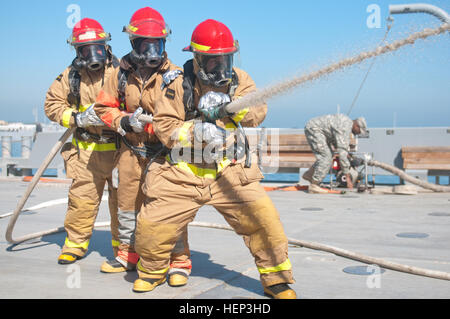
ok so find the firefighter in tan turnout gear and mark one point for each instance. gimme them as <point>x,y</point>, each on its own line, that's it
<point>132,90</point>
<point>189,177</point>
<point>89,158</point>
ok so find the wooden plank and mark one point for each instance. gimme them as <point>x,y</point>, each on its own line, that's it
<point>425,149</point>
<point>424,162</point>
<point>289,159</point>
<point>427,159</point>
<point>288,164</point>
<point>427,166</point>
<point>428,156</point>
<point>288,148</point>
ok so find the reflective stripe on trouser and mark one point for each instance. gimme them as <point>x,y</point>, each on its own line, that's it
<point>324,155</point>
<point>89,171</point>
<point>174,197</point>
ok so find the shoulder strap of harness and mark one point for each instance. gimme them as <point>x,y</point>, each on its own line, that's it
<point>115,61</point>
<point>188,87</point>
<point>122,78</point>
<point>74,85</point>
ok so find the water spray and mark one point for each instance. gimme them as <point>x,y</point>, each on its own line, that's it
<point>260,97</point>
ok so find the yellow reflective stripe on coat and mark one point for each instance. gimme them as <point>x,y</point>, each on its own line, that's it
<point>115,243</point>
<point>281,267</point>
<point>71,244</point>
<point>94,146</point>
<point>240,115</point>
<point>183,134</point>
<point>83,108</point>
<point>237,118</point>
<point>156,272</point>
<point>67,114</point>
<point>203,172</point>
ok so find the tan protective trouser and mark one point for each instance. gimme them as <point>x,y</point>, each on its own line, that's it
<point>131,177</point>
<point>89,171</point>
<point>130,195</point>
<point>173,198</point>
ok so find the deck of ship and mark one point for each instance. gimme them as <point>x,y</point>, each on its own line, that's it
<point>223,267</point>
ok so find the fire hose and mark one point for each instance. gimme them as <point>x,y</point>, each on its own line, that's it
<point>406,177</point>
<point>51,155</point>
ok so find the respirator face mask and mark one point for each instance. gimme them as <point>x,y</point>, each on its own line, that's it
<point>91,56</point>
<point>215,70</point>
<point>147,52</point>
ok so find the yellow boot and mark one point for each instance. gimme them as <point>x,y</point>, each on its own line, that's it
<point>67,258</point>
<point>125,260</point>
<point>178,278</point>
<point>179,272</point>
<point>280,291</point>
<point>147,284</point>
<point>113,266</point>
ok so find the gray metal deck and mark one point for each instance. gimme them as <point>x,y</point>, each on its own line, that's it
<point>222,266</point>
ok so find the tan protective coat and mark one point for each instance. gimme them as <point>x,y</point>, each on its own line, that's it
<point>90,167</point>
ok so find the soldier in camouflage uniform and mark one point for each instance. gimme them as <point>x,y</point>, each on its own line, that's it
<point>326,134</point>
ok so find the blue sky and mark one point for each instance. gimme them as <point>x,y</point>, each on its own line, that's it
<point>278,39</point>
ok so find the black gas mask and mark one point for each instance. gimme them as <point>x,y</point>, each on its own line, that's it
<point>91,56</point>
<point>147,52</point>
<point>215,70</point>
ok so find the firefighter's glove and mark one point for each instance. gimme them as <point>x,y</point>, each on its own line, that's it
<point>213,106</point>
<point>88,118</point>
<point>209,133</point>
<point>132,123</point>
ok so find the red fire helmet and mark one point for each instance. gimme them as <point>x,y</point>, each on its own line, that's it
<point>212,37</point>
<point>147,23</point>
<point>88,31</point>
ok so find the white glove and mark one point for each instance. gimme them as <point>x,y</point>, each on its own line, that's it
<point>88,118</point>
<point>209,133</point>
<point>212,100</point>
<point>131,123</point>
<point>138,126</point>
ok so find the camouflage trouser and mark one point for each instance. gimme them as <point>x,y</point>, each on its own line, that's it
<point>322,151</point>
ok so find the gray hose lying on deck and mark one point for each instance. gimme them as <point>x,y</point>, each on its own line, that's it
<point>301,243</point>
<point>349,254</point>
<point>410,179</point>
